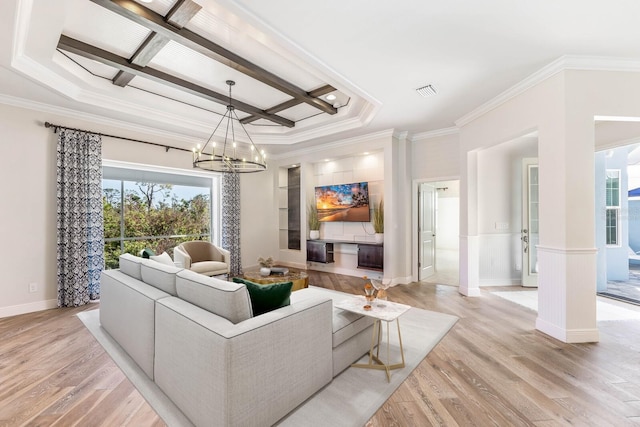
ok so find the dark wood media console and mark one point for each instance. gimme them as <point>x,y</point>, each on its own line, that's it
<point>370,255</point>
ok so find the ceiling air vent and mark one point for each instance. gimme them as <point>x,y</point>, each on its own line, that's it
<point>426,91</point>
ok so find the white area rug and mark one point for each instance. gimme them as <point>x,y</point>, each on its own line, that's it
<point>604,311</point>
<point>350,400</point>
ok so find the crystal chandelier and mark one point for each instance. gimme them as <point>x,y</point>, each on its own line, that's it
<point>229,156</point>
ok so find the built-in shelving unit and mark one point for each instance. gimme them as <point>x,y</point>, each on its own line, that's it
<point>289,208</point>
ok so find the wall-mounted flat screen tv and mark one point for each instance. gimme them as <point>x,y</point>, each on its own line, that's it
<point>344,202</point>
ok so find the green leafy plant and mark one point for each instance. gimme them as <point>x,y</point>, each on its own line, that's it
<point>377,219</point>
<point>312,216</point>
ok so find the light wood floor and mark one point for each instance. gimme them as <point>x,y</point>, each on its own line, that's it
<point>492,368</point>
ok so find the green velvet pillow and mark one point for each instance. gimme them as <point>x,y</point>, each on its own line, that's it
<point>269,297</point>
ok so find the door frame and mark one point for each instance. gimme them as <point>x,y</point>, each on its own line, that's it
<point>415,188</point>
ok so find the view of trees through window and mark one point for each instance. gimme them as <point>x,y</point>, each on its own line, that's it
<point>149,215</point>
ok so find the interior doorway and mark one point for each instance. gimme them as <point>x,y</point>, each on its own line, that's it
<point>438,232</point>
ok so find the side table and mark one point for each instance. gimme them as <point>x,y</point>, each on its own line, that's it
<point>381,311</point>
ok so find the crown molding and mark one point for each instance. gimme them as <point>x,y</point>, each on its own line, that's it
<point>389,133</point>
<point>567,62</point>
<point>97,119</point>
<point>435,133</point>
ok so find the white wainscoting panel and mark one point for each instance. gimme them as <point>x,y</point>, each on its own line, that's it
<point>498,260</point>
<point>567,294</point>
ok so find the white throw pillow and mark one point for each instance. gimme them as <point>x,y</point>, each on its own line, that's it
<point>163,258</point>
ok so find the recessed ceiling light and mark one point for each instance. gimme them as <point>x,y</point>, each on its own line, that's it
<point>366,153</point>
<point>293,166</point>
<point>426,91</point>
<point>326,160</point>
<point>330,97</point>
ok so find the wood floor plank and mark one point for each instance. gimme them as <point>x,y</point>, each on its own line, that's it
<point>493,368</point>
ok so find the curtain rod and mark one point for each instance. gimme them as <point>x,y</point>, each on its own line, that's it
<point>166,147</point>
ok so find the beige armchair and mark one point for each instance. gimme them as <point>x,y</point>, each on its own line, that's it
<point>202,257</point>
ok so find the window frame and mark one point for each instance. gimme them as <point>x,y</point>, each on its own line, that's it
<point>615,209</point>
<point>215,189</point>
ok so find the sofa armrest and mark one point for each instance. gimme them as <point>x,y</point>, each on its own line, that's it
<point>226,256</point>
<point>181,256</point>
<point>127,313</point>
<point>215,370</point>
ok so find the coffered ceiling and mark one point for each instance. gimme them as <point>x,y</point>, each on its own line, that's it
<point>163,65</point>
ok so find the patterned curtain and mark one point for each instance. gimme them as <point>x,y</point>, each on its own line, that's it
<point>231,220</point>
<point>80,221</point>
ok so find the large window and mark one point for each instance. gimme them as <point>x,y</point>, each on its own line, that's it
<point>157,210</point>
<point>613,207</point>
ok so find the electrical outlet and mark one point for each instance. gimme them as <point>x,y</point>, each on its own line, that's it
<point>33,287</point>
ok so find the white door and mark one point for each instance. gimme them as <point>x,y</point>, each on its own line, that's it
<point>427,230</point>
<point>530,230</point>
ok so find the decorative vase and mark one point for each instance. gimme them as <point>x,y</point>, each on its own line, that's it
<point>314,234</point>
<point>265,271</point>
<point>379,237</point>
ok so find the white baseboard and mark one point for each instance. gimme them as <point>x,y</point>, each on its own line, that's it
<point>31,307</point>
<point>567,335</point>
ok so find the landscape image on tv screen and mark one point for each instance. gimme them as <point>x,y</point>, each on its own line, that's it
<point>344,202</point>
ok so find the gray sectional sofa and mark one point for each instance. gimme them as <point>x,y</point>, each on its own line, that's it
<point>196,338</point>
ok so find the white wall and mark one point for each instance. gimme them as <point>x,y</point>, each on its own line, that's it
<point>562,108</point>
<point>500,210</point>
<point>28,217</point>
<point>258,219</point>
<point>436,158</point>
<point>448,215</point>
<point>28,214</point>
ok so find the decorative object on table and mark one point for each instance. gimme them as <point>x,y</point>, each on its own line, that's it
<point>381,288</point>
<point>265,266</point>
<point>377,221</point>
<point>369,290</point>
<point>313,221</point>
<point>229,156</point>
<point>281,271</point>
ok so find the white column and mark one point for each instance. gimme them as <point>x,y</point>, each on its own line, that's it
<point>567,254</point>
<point>469,242</point>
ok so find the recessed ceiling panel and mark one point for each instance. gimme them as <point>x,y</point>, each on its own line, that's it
<point>161,7</point>
<point>95,25</point>
<point>300,112</point>
<point>240,38</point>
<point>172,94</point>
<point>185,63</point>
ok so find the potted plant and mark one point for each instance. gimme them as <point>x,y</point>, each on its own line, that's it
<point>265,266</point>
<point>313,221</point>
<point>377,221</point>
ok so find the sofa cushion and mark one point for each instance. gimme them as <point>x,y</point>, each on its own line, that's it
<point>159,275</point>
<point>209,268</point>
<point>345,323</point>
<point>269,297</point>
<point>163,258</point>
<point>130,265</point>
<point>225,299</point>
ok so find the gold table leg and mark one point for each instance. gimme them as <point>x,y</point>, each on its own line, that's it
<point>379,364</point>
